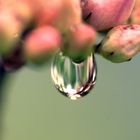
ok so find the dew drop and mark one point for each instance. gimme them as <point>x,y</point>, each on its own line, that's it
<point>74,80</point>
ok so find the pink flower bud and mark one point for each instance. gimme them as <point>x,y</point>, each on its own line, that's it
<point>48,12</point>
<point>121,43</point>
<point>41,43</point>
<point>104,14</point>
<point>79,41</point>
<point>60,13</point>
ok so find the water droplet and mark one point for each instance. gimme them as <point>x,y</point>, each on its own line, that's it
<point>74,80</point>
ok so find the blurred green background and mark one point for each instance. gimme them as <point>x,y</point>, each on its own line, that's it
<point>34,110</point>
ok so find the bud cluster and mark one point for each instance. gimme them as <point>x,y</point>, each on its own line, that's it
<point>120,22</point>
<point>43,28</point>
<point>34,30</point>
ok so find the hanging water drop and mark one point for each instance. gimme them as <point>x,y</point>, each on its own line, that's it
<point>74,80</point>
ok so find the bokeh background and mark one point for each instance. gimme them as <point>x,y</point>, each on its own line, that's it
<point>34,110</point>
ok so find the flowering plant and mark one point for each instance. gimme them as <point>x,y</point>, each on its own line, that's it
<point>32,31</point>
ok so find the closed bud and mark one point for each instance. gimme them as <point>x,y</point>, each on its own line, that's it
<point>41,44</point>
<point>70,15</point>
<point>135,15</point>
<point>60,13</point>
<point>48,12</point>
<point>121,43</point>
<point>10,31</point>
<point>79,41</point>
<point>104,14</point>
<point>23,11</point>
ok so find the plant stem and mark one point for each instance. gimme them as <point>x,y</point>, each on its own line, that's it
<point>3,75</point>
<point>2,81</point>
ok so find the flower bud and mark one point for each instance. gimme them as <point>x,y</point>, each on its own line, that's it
<point>23,11</point>
<point>70,15</point>
<point>48,12</point>
<point>10,31</point>
<point>41,44</point>
<point>108,13</point>
<point>121,43</point>
<point>60,13</point>
<point>79,41</point>
<point>135,16</point>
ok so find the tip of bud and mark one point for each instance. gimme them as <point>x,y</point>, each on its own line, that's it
<point>79,42</point>
<point>41,44</point>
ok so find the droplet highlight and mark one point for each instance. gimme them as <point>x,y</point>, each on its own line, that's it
<point>74,80</point>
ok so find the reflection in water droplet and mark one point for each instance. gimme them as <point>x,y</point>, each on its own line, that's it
<point>73,80</point>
